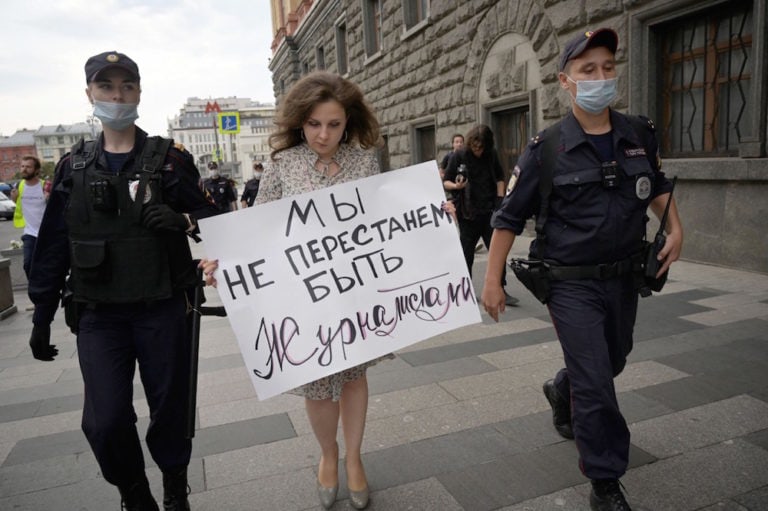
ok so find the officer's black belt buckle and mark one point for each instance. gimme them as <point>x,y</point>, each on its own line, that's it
<point>604,271</point>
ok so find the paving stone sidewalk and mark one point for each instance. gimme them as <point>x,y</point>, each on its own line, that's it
<point>457,422</point>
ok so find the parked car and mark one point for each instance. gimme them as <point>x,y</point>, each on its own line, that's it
<point>7,207</point>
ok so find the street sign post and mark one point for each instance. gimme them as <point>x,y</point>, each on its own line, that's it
<point>229,123</point>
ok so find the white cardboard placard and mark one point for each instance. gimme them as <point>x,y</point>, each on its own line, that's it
<point>323,281</point>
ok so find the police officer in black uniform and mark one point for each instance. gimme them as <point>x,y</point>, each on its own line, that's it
<point>118,219</point>
<point>606,174</point>
<point>251,188</point>
<point>220,189</point>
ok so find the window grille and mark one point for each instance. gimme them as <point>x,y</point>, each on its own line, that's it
<point>510,130</point>
<point>706,62</point>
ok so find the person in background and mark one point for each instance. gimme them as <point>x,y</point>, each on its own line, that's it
<point>476,178</point>
<point>606,174</point>
<point>251,187</point>
<point>30,197</point>
<point>117,221</point>
<point>457,143</point>
<point>220,189</point>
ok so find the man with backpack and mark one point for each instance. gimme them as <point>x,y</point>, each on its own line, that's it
<point>589,180</point>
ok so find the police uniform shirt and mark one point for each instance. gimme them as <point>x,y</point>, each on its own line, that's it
<point>222,192</point>
<point>51,259</point>
<point>250,191</point>
<point>587,223</point>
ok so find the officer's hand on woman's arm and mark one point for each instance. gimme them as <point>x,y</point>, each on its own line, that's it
<point>209,266</point>
<point>493,298</point>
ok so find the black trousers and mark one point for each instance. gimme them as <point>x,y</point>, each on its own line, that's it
<point>470,232</point>
<point>110,342</point>
<point>594,321</point>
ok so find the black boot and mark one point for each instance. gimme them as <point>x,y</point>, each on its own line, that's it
<point>137,497</point>
<point>606,496</point>
<point>561,410</point>
<point>175,490</point>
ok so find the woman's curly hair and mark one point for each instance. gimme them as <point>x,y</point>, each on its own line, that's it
<point>319,87</point>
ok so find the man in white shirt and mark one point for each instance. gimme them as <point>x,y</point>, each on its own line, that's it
<point>30,198</point>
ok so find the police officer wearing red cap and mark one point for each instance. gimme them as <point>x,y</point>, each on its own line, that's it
<point>117,221</point>
<point>605,175</point>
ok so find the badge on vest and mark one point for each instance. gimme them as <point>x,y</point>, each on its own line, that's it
<point>643,187</point>
<point>133,188</point>
<point>634,152</point>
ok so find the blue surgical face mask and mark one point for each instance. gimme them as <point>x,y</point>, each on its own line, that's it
<point>594,96</point>
<point>117,116</point>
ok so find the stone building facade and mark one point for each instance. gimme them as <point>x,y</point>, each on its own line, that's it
<point>433,68</point>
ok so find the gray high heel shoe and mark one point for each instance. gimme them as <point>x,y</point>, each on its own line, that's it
<point>327,495</point>
<point>359,499</point>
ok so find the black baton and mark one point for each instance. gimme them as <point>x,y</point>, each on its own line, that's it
<point>194,352</point>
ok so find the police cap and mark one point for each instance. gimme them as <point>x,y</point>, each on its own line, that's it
<point>102,61</point>
<point>590,39</point>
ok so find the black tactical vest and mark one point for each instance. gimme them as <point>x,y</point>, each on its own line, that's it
<point>114,258</point>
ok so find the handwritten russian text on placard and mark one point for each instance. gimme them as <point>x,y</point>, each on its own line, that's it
<point>323,281</point>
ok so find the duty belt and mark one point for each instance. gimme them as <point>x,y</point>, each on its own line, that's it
<point>604,271</point>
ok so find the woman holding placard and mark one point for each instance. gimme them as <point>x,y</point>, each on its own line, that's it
<point>325,135</point>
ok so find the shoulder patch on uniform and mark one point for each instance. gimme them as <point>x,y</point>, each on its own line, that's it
<point>177,159</point>
<point>648,122</point>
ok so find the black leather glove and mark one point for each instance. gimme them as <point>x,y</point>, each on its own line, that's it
<point>161,216</point>
<point>40,342</point>
<point>497,203</point>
